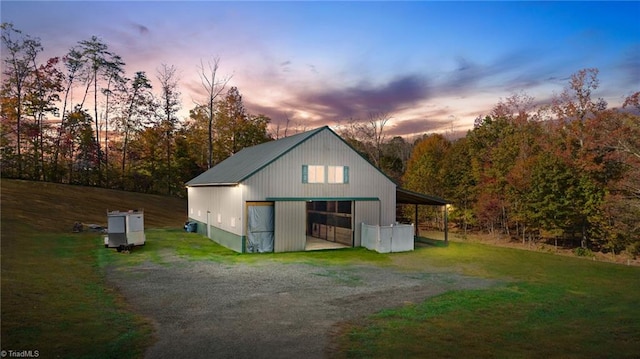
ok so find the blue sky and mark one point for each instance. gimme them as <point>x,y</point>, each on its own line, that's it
<point>433,66</point>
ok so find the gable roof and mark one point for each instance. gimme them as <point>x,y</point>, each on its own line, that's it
<point>250,160</point>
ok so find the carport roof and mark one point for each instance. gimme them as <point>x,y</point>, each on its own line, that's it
<point>404,196</point>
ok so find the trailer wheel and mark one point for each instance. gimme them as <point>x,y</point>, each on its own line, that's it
<point>120,248</point>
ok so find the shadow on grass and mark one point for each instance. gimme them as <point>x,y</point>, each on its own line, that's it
<point>429,242</point>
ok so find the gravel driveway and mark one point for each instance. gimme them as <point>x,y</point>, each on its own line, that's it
<point>266,310</point>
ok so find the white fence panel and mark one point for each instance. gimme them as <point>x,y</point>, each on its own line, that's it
<point>402,238</point>
<point>384,245</point>
<point>370,236</point>
<point>385,239</point>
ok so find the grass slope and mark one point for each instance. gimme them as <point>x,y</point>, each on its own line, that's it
<point>551,307</point>
<point>54,296</point>
<point>55,299</point>
<point>53,207</point>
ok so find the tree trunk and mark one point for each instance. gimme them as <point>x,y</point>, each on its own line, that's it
<point>95,111</point>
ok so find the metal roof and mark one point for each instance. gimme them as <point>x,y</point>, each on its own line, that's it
<point>250,160</point>
<point>404,196</point>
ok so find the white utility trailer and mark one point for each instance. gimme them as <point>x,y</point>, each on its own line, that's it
<point>125,230</point>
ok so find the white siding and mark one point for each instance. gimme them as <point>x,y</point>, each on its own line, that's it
<point>224,205</point>
<point>290,221</point>
<point>283,177</point>
<point>365,212</point>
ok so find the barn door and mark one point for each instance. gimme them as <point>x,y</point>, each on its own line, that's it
<point>260,227</point>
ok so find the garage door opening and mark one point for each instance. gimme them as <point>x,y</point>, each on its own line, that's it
<point>329,224</point>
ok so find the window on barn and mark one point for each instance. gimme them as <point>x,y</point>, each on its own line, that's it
<point>337,174</point>
<point>312,174</point>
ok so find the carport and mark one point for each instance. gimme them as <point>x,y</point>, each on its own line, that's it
<point>405,196</point>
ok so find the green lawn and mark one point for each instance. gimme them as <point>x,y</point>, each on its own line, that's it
<point>550,306</point>
<point>55,298</point>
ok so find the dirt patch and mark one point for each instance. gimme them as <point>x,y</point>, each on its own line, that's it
<point>267,310</point>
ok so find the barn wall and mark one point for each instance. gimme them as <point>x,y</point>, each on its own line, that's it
<point>367,212</point>
<point>283,177</point>
<point>222,208</point>
<point>290,219</point>
<point>222,237</point>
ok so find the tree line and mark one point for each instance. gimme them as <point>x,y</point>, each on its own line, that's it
<point>119,132</point>
<point>565,171</point>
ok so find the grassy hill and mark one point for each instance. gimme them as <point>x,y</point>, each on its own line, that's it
<point>55,298</point>
<point>56,207</point>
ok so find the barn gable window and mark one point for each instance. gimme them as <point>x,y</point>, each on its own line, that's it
<point>325,174</point>
<point>337,174</point>
<point>312,174</point>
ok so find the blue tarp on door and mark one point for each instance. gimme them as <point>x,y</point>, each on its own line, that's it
<point>260,231</point>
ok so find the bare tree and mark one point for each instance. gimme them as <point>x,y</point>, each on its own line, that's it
<point>170,105</point>
<point>370,133</point>
<point>213,85</point>
<point>276,132</point>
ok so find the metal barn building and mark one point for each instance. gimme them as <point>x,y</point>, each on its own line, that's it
<point>281,195</point>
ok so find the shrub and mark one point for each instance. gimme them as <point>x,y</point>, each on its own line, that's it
<point>583,252</point>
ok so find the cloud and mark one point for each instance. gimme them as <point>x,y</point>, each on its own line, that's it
<point>285,66</point>
<point>505,72</point>
<point>415,126</point>
<point>141,29</point>
<point>630,65</point>
<point>361,100</point>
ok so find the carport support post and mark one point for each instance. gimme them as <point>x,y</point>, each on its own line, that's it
<point>416,221</point>
<point>446,225</point>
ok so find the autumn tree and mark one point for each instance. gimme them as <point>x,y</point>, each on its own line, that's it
<point>395,155</point>
<point>196,133</point>
<point>19,67</point>
<point>492,160</point>
<point>40,101</point>
<point>617,133</point>
<point>98,64</point>
<point>236,128</point>
<point>79,148</point>
<point>115,81</point>
<point>425,169</point>
<point>133,112</point>
<point>459,185</point>
<point>574,140</point>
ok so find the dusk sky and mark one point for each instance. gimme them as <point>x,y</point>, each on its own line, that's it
<point>434,66</point>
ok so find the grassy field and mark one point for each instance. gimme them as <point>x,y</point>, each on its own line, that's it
<point>552,306</point>
<point>55,298</point>
<point>54,295</point>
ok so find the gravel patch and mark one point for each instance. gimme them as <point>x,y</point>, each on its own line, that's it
<point>267,310</point>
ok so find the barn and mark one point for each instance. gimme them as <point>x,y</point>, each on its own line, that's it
<point>293,194</point>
